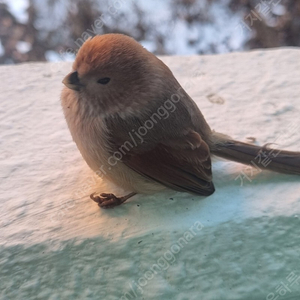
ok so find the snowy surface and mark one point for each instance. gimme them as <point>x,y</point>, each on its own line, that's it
<point>240,243</point>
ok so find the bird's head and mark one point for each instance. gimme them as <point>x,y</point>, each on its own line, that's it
<point>114,73</point>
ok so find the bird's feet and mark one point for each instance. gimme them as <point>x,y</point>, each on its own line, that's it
<point>109,200</point>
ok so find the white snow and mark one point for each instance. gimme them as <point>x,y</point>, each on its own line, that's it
<point>18,9</point>
<point>23,47</point>
<point>1,49</point>
<point>240,243</point>
<point>223,33</point>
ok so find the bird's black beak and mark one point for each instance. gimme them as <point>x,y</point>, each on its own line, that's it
<point>72,81</point>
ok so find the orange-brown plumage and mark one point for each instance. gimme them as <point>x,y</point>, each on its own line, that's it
<point>103,50</point>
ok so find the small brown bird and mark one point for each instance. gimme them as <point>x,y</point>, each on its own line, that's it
<point>136,126</point>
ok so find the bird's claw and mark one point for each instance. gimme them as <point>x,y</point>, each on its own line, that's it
<point>107,200</point>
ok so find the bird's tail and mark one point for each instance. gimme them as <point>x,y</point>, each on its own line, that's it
<point>259,157</point>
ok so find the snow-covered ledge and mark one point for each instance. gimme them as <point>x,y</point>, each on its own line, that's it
<point>243,242</point>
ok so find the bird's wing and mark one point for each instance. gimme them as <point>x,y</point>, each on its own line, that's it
<point>169,153</point>
<point>182,165</point>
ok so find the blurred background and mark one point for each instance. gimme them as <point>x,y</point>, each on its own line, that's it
<point>54,30</point>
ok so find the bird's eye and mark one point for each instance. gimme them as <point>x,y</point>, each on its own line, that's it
<point>104,80</point>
